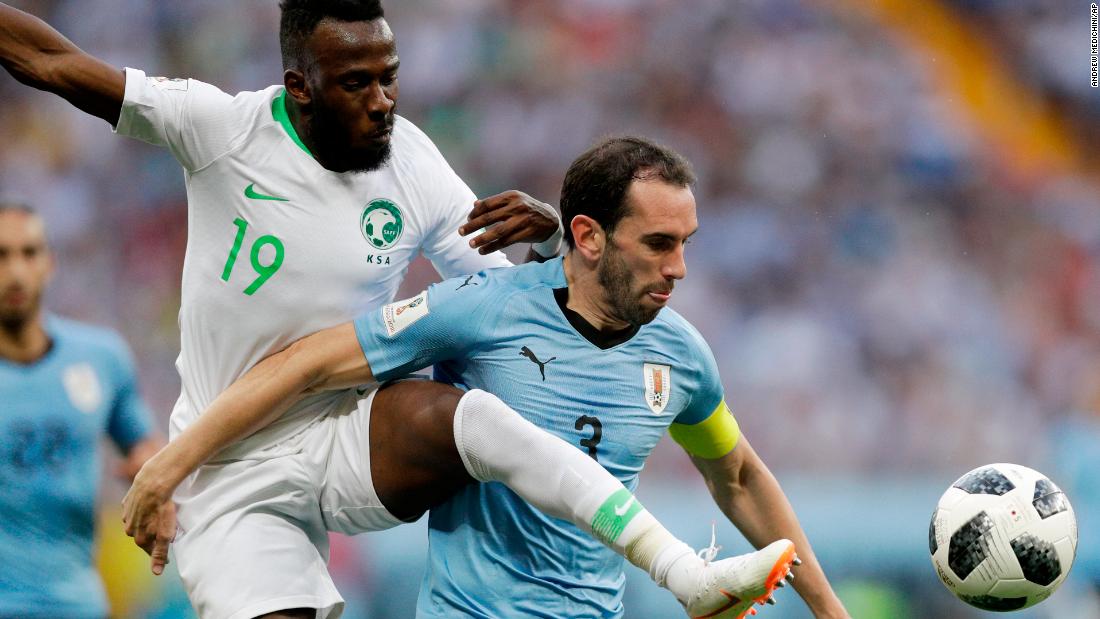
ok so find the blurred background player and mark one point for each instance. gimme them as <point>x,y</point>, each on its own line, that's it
<point>64,385</point>
<point>578,347</point>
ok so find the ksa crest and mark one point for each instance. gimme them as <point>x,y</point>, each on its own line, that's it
<point>381,223</point>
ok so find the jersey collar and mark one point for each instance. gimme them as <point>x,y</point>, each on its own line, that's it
<point>278,110</point>
<point>49,324</point>
<point>601,339</point>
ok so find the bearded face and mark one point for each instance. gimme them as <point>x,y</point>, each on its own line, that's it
<point>335,138</point>
<point>352,93</point>
<point>25,268</point>
<point>627,297</point>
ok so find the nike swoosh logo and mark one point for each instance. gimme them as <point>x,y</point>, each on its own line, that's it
<point>250,192</point>
<point>621,510</point>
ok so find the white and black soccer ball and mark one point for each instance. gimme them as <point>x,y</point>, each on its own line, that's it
<point>1003,537</point>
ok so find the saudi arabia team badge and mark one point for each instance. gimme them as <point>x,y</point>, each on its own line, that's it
<point>82,387</point>
<point>658,386</point>
<point>381,223</point>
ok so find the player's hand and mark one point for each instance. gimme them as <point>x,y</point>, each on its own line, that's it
<point>150,515</point>
<point>508,218</point>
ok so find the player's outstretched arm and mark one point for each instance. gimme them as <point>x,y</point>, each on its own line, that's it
<point>514,217</point>
<point>329,359</point>
<point>749,495</point>
<point>39,56</point>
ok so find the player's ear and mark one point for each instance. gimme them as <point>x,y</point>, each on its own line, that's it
<point>50,264</point>
<point>588,236</point>
<point>297,87</point>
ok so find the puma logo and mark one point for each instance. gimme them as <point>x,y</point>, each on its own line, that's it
<point>526,352</point>
<point>467,283</point>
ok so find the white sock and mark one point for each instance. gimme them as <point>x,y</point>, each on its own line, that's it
<point>497,444</point>
<point>677,568</point>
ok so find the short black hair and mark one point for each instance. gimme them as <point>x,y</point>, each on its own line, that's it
<point>300,19</point>
<point>20,207</point>
<point>596,183</point>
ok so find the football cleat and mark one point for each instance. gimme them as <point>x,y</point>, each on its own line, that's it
<point>729,588</point>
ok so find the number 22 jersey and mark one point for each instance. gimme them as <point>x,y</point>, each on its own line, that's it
<point>279,247</point>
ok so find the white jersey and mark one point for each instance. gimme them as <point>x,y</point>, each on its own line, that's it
<point>279,247</point>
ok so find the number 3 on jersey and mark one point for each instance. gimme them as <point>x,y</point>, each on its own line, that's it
<point>263,271</point>
<point>592,443</point>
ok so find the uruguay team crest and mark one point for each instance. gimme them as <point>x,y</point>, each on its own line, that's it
<point>658,386</point>
<point>82,387</point>
<point>381,223</point>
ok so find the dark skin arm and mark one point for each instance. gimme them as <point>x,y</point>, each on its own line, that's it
<point>39,56</point>
<point>514,217</point>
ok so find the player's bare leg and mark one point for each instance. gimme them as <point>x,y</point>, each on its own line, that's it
<point>427,440</point>
<point>413,458</point>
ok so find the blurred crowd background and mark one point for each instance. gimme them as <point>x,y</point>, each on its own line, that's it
<point>898,267</point>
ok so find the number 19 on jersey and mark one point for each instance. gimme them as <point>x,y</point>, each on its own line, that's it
<point>263,271</point>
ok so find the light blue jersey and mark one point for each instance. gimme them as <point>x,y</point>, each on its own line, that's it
<point>53,414</point>
<point>506,331</point>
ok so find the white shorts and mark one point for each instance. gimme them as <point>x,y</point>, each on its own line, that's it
<point>253,533</point>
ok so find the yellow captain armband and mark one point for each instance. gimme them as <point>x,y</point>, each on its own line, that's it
<point>711,438</point>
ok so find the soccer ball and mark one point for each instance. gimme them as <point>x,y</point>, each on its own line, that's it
<point>1003,537</point>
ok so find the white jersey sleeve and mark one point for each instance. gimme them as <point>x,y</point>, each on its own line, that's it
<point>196,121</point>
<point>451,199</point>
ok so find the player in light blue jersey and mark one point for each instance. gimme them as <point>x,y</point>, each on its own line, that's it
<point>582,348</point>
<point>63,385</point>
<point>585,348</point>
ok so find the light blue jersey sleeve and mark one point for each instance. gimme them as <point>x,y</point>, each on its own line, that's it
<point>130,419</point>
<point>442,323</point>
<point>706,385</point>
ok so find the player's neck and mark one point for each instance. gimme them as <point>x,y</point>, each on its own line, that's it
<point>302,128</point>
<point>587,297</point>
<point>24,342</point>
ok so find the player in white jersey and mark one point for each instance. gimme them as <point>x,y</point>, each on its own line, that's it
<point>626,370</point>
<point>306,203</point>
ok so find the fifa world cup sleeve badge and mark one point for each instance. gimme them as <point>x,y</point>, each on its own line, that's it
<point>398,316</point>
